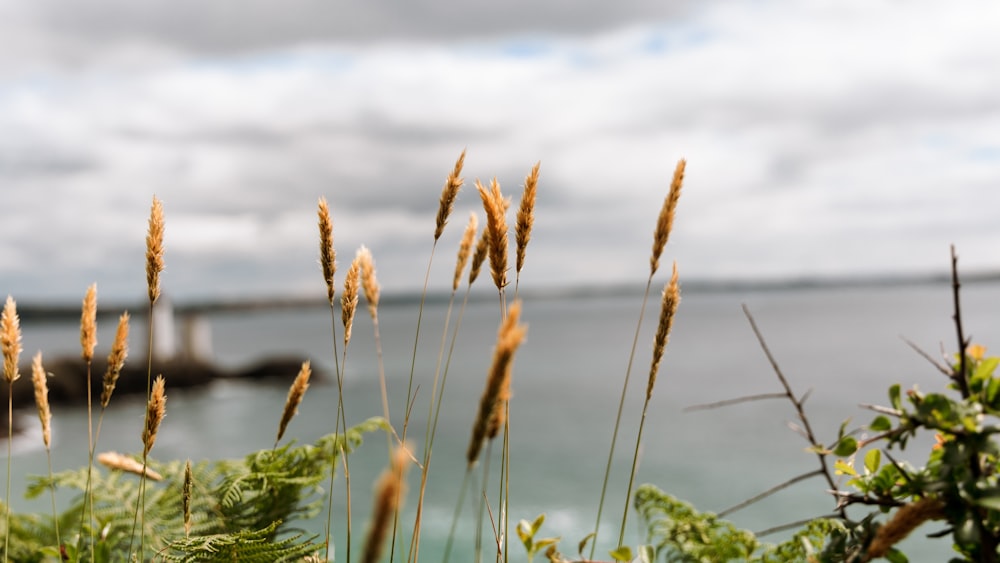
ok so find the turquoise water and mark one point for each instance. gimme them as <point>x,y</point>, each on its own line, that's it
<point>842,344</point>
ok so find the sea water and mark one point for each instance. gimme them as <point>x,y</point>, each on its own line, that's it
<point>844,346</point>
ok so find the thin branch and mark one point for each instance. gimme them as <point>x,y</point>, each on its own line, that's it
<point>796,403</point>
<point>938,365</point>
<point>736,401</point>
<point>882,410</point>
<point>771,491</point>
<point>961,378</point>
<point>790,525</point>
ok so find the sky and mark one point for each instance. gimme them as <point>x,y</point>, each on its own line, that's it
<point>827,138</point>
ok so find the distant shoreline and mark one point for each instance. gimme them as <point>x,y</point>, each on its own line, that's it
<point>39,311</point>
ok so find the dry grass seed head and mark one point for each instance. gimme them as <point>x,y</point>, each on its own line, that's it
<point>327,254</point>
<point>119,462</point>
<point>479,256</point>
<point>526,215</point>
<point>509,337</point>
<point>10,340</point>
<point>156,409</point>
<point>39,380</point>
<point>116,360</point>
<point>295,394</point>
<point>388,499</point>
<point>154,250</point>
<point>368,280</point>
<point>88,324</point>
<point>496,223</point>
<point>668,309</point>
<point>448,195</point>
<point>665,222</point>
<point>464,248</point>
<point>349,300</point>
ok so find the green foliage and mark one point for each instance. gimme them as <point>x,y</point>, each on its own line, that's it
<point>680,533</point>
<point>241,509</point>
<point>526,532</point>
<point>251,546</point>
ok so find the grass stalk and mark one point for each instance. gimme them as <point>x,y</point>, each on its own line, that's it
<point>348,307</point>
<point>437,394</point>
<point>668,310</point>
<point>388,495</point>
<point>88,341</point>
<point>38,379</point>
<point>10,343</point>
<point>661,235</point>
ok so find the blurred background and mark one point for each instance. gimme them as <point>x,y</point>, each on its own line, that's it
<point>837,141</point>
<point>823,139</point>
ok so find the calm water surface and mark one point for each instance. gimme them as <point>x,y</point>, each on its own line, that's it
<point>843,344</point>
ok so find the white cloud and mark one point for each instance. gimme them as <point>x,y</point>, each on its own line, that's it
<point>828,138</point>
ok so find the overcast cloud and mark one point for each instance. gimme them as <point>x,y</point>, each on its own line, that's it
<point>823,138</point>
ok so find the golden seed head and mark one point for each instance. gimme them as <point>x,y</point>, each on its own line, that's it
<point>156,409</point>
<point>116,360</point>
<point>526,215</point>
<point>448,195</point>
<point>327,254</point>
<point>665,222</point>
<point>479,256</point>
<point>464,248</point>
<point>497,391</point>
<point>295,394</point>
<point>389,492</point>
<point>40,380</point>
<point>117,461</point>
<point>10,340</point>
<point>496,222</point>
<point>349,300</point>
<point>368,280</point>
<point>668,308</point>
<point>88,324</point>
<point>154,250</point>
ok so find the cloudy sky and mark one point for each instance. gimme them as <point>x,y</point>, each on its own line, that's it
<point>840,138</point>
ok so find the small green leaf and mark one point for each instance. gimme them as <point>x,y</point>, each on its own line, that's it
<point>843,468</point>
<point>537,524</point>
<point>623,553</point>
<point>843,428</point>
<point>545,542</point>
<point>845,447</point>
<point>583,543</point>
<point>894,397</point>
<point>880,424</point>
<point>873,459</point>
<point>896,556</point>
<point>524,532</point>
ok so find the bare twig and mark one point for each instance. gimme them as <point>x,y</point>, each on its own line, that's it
<point>797,403</point>
<point>790,525</point>
<point>961,377</point>
<point>771,491</point>
<point>736,401</point>
<point>938,365</point>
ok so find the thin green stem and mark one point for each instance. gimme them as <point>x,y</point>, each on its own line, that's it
<point>482,502</point>
<point>618,417</point>
<point>631,478</point>
<point>428,440</point>
<point>458,512</point>
<point>55,515</point>
<point>10,438</point>
<point>333,462</point>
<point>409,385</point>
